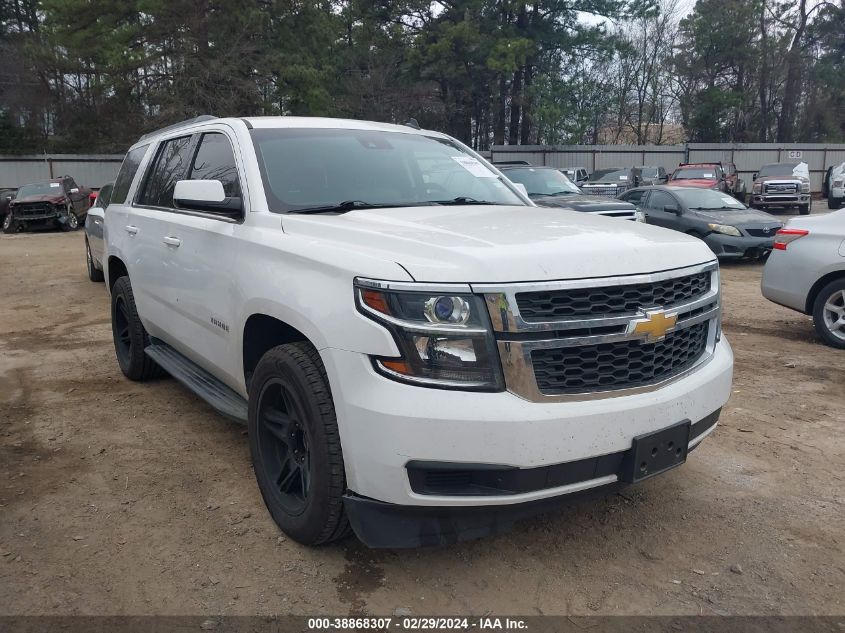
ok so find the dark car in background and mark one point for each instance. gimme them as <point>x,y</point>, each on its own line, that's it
<point>612,181</point>
<point>6,196</point>
<point>729,228</point>
<point>549,187</point>
<point>56,202</point>
<point>653,175</point>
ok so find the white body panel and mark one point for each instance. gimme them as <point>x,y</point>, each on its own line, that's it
<point>300,270</point>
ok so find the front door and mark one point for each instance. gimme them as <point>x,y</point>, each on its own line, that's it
<point>655,209</point>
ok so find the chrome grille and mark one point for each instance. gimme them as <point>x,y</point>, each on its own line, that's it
<point>612,191</point>
<point>781,187</point>
<point>610,300</point>
<point>620,365</point>
<point>599,338</point>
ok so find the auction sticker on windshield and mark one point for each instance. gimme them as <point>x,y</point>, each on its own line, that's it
<point>473,166</point>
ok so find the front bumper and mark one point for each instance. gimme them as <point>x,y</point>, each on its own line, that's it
<point>731,247</point>
<point>779,200</point>
<point>386,525</point>
<point>384,425</point>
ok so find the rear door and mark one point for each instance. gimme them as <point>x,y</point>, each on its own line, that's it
<point>147,226</point>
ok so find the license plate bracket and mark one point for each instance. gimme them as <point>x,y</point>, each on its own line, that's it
<point>657,452</point>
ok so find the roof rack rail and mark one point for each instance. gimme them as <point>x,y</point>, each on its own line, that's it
<point>175,126</point>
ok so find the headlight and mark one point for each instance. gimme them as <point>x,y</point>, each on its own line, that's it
<point>805,187</point>
<point>756,187</point>
<point>725,229</point>
<point>444,339</point>
<point>837,183</point>
<point>639,216</point>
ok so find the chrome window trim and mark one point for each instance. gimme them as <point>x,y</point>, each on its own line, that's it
<point>504,310</point>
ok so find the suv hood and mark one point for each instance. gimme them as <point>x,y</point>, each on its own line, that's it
<point>58,199</point>
<point>497,244</point>
<point>590,204</point>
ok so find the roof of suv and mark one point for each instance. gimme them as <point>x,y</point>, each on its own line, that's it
<point>270,122</point>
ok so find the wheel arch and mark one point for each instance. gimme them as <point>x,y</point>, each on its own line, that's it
<point>261,333</point>
<point>116,270</point>
<point>821,283</point>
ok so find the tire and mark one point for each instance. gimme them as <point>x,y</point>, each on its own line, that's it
<point>94,273</point>
<point>72,222</point>
<point>834,203</point>
<point>804,209</point>
<point>10,225</point>
<point>831,296</point>
<point>295,445</point>
<point>130,337</point>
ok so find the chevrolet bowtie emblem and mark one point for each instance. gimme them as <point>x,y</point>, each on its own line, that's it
<point>653,326</point>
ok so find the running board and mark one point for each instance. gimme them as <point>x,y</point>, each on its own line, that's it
<point>220,397</point>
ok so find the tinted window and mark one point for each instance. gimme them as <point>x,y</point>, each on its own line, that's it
<point>778,169</point>
<point>170,166</point>
<point>103,196</point>
<point>660,199</point>
<point>635,197</point>
<point>215,161</point>
<point>127,173</point>
<point>610,175</point>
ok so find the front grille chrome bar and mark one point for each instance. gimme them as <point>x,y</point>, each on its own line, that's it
<point>515,348</point>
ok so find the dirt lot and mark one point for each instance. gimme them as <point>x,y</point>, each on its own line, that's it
<point>122,498</point>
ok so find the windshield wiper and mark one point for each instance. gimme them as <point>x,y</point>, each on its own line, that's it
<point>342,207</point>
<point>461,200</point>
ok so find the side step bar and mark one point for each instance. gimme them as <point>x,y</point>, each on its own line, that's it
<point>220,397</point>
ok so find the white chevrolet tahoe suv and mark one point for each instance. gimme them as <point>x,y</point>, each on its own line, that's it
<point>421,354</point>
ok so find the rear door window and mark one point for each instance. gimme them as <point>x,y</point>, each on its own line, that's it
<point>127,174</point>
<point>170,166</point>
<point>214,160</point>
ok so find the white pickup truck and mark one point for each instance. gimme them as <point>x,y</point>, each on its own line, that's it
<point>420,353</point>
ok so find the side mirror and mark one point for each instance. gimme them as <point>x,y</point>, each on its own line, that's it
<point>754,176</point>
<point>671,208</point>
<point>521,188</point>
<point>206,195</point>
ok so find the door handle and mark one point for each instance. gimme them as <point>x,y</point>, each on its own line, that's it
<point>132,230</point>
<point>172,241</point>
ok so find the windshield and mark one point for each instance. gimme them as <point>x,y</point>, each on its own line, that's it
<point>317,169</point>
<point>610,175</point>
<point>649,172</point>
<point>708,199</point>
<point>542,182</point>
<point>40,189</point>
<point>689,173</point>
<point>780,169</point>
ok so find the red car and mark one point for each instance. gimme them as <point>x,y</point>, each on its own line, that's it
<point>57,202</point>
<point>710,176</point>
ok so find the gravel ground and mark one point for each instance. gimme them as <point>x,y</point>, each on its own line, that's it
<point>123,498</point>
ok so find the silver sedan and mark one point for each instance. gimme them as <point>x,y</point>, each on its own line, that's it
<point>806,272</point>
